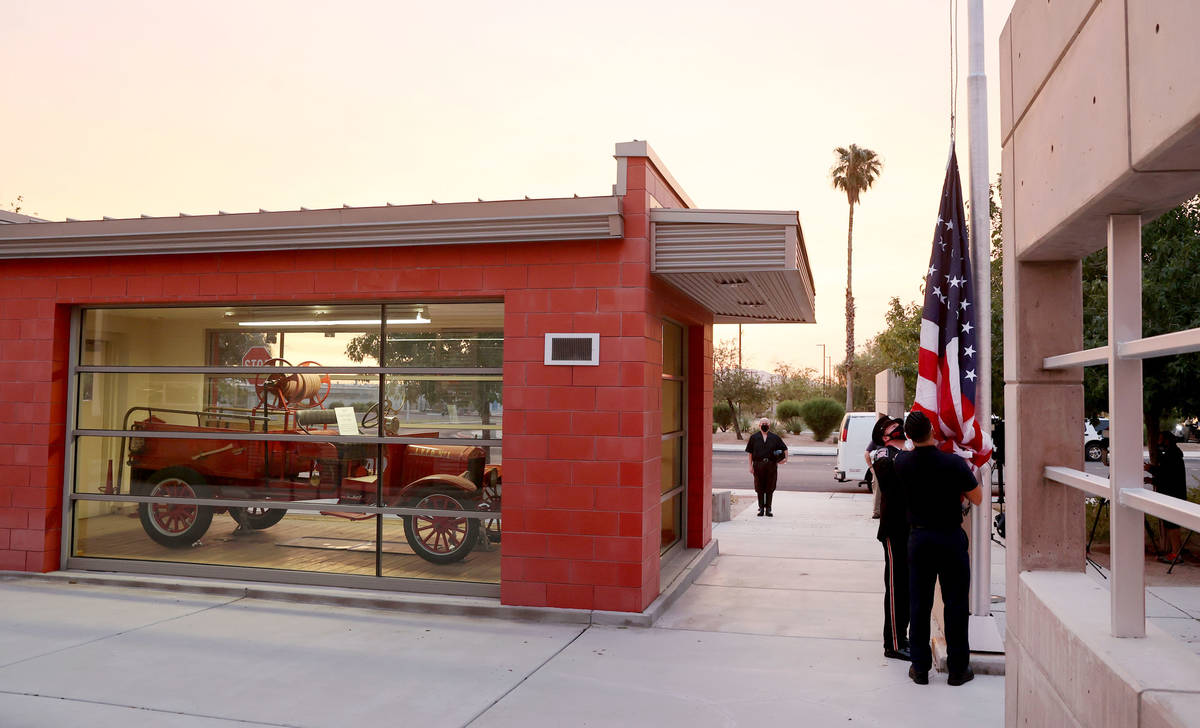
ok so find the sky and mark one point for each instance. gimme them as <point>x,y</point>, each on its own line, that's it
<point>124,108</point>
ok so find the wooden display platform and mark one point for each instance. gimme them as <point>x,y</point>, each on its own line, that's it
<point>300,542</point>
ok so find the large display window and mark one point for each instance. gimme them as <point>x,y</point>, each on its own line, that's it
<point>346,440</point>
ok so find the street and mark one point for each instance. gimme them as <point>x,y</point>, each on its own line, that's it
<point>814,473</point>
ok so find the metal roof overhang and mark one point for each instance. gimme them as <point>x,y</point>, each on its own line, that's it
<point>743,266</point>
<point>512,221</point>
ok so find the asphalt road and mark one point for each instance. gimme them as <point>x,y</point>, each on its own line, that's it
<point>814,473</point>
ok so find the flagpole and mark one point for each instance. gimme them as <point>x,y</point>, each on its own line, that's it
<point>981,517</point>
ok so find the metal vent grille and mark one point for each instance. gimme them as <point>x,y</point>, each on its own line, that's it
<point>573,349</point>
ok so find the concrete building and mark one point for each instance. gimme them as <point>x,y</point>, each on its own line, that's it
<point>540,373</point>
<point>1100,115</point>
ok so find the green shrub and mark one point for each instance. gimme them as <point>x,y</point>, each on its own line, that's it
<point>794,425</point>
<point>722,415</point>
<point>822,415</point>
<point>786,410</point>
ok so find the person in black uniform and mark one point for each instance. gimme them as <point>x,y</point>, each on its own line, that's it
<point>767,452</point>
<point>936,484</point>
<point>1169,478</point>
<point>893,534</point>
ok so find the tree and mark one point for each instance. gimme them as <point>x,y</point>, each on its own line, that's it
<point>854,172</point>
<point>739,388</point>
<point>457,349</point>
<point>1170,302</point>
<point>798,384</point>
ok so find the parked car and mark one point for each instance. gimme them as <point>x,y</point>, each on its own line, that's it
<point>1188,430</point>
<point>1095,439</point>
<point>853,436</point>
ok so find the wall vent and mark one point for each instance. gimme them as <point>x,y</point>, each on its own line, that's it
<point>581,350</point>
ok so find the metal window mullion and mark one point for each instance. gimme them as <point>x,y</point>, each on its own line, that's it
<point>1128,597</point>
<point>284,505</point>
<point>366,371</point>
<point>247,436</point>
<point>677,490</point>
<point>68,513</point>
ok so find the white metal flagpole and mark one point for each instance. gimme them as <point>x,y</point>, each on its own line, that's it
<point>977,119</point>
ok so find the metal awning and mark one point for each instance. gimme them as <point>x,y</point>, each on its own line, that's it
<point>744,266</point>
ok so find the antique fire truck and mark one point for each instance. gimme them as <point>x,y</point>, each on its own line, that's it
<point>434,477</point>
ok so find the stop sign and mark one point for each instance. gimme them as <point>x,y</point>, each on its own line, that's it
<point>256,356</point>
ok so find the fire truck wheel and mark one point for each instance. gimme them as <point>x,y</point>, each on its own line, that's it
<point>170,524</point>
<point>441,539</point>
<point>260,518</point>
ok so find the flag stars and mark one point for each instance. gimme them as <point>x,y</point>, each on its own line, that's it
<point>963,304</point>
<point>970,374</point>
<point>969,351</point>
<point>932,270</point>
<point>966,328</point>
<point>949,224</point>
<point>956,282</point>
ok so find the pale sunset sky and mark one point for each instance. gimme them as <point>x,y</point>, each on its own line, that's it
<point>122,108</point>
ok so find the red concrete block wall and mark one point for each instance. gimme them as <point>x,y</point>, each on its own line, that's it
<point>581,444</point>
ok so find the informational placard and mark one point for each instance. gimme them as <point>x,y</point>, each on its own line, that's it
<point>346,423</point>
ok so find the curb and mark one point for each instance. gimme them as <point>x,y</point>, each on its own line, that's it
<point>409,602</point>
<point>827,450</point>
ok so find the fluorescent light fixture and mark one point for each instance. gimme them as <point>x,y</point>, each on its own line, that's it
<point>341,322</point>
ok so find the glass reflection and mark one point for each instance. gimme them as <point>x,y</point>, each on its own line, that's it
<point>672,521</point>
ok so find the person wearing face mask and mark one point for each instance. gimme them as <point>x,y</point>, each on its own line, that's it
<point>767,452</point>
<point>893,534</point>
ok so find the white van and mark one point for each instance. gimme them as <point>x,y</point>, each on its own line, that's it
<point>853,436</point>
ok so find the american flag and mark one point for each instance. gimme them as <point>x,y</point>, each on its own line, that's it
<point>947,363</point>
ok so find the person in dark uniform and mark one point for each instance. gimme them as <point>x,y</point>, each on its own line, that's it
<point>767,452</point>
<point>936,484</point>
<point>1169,478</point>
<point>893,534</point>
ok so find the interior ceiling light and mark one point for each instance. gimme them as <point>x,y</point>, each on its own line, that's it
<point>419,319</point>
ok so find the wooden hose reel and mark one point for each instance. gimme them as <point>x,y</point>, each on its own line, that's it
<point>292,391</point>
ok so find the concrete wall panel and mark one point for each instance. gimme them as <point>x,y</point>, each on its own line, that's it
<point>1072,143</point>
<point>1035,701</point>
<point>1040,32</point>
<point>1164,95</point>
<point>1169,710</point>
<point>1006,91</point>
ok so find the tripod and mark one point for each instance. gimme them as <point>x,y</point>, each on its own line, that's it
<point>1092,536</point>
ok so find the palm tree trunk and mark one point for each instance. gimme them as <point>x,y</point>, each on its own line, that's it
<point>849,368</point>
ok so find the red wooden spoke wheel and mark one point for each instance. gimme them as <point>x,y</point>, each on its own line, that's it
<point>441,539</point>
<point>177,525</point>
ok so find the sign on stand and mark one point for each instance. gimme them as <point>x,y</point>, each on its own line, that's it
<point>256,356</point>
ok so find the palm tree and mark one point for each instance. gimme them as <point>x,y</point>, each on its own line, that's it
<point>854,172</point>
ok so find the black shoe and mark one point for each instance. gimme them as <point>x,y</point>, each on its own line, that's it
<point>770,514</point>
<point>900,654</point>
<point>958,678</point>
<point>760,511</point>
<point>920,677</point>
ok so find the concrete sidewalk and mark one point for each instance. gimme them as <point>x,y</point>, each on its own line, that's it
<point>783,627</point>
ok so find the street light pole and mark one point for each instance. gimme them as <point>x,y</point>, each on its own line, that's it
<point>822,364</point>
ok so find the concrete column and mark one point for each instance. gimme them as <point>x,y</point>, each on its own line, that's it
<point>889,393</point>
<point>1043,412</point>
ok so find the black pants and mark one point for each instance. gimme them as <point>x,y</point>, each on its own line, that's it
<point>895,593</point>
<point>940,556</point>
<point>765,475</point>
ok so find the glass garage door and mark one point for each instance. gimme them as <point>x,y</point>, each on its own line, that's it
<point>313,444</point>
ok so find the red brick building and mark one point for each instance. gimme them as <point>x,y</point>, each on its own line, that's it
<point>164,380</point>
